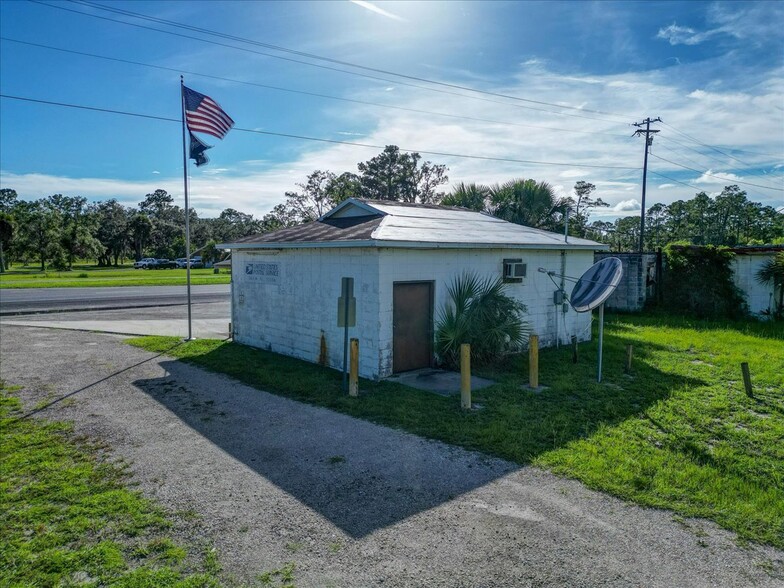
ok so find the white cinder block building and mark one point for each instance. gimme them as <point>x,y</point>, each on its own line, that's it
<point>749,260</point>
<point>402,257</point>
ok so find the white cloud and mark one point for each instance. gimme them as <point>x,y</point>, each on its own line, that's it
<point>677,35</point>
<point>746,102</point>
<point>753,21</point>
<point>627,206</point>
<point>716,177</point>
<point>31,186</point>
<point>666,186</point>
<point>573,173</point>
<point>156,172</point>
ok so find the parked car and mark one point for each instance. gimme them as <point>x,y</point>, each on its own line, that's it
<point>163,264</point>
<point>196,262</point>
<point>144,263</point>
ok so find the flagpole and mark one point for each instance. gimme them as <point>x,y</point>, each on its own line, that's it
<point>187,210</point>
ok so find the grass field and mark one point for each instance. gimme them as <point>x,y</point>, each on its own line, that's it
<point>68,520</point>
<point>90,275</point>
<point>677,433</point>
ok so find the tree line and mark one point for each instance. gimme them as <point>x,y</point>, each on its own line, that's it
<point>728,219</point>
<point>57,230</point>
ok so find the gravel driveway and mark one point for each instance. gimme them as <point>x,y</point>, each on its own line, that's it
<point>270,481</point>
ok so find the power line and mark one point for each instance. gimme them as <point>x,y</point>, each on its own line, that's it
<point>680,155</point>
<point>94,108</point>
<point>323,58</point>
<point>303,92</point>
<point>673,180</point>
<point>715,159</point>
<point>774,155</point>
<point>325,67</point>
<point>717,177</point>
<point>748,165</point>
<point>691,185</point>
<point>321,139</point>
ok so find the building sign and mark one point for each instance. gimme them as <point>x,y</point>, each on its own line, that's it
<point>347,304</point>
<point>262,272</point>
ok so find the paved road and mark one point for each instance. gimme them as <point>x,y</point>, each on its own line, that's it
<point>30,300</point>
<point>268,481</point>
<point>210,320</point>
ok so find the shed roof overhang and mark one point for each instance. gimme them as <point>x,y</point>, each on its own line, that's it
<point>411,245</point>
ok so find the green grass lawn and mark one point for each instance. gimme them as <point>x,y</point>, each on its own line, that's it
<point>677,433</point>
<point>66,519</point>
<point>90,275</point>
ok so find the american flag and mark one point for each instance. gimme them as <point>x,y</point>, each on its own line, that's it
<point>204,115</point>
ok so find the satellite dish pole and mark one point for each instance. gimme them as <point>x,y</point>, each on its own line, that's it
<point>591,291</point>
<point>601,342</point>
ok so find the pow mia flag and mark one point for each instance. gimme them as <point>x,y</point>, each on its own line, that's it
<point>197,149</point>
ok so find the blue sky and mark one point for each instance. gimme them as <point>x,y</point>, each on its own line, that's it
<point>714,72</point>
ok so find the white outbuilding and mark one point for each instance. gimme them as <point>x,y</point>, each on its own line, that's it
<point>402,257</point>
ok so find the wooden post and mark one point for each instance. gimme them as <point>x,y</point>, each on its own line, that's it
<point>465,376</point>
<point>353,377</point>
<point>744,367</point>
<point>533,361</point>
<point>629,357</point>
<point>574,349</point>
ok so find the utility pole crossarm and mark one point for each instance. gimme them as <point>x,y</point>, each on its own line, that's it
<point>649,134</point>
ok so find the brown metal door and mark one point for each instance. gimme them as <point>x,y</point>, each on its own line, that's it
<point>412,326</point>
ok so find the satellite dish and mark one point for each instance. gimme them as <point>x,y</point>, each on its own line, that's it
<point>596,284</point>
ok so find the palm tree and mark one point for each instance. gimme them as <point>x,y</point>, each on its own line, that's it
<point>471,196</point>
<point>772,272</point>
<point>480,313</point>
<point>526,202</point>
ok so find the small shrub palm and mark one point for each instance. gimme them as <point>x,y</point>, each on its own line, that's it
<point>479,313</point>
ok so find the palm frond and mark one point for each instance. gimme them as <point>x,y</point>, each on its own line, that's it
<point>480,313</point>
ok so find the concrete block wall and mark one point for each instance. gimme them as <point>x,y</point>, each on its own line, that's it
<point>443,265</point>
<point>633,291</point>
<point>759,297</point>
<point>289,316</point>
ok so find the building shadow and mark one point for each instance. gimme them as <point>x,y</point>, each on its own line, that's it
<point>361,476</point>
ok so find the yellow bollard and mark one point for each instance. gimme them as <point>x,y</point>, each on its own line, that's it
<point>353,374</point>
<point>465,376</point>
<point>533,361</point>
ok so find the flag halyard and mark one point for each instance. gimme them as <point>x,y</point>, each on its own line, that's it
<point>204,115</point>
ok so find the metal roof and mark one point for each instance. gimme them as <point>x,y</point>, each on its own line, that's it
<point>352,228</point>
<point>373,223</point>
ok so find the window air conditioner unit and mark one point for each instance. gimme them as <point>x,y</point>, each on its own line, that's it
<point>514,270</point>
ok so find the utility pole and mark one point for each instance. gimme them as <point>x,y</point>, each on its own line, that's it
<point>648,132</point>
